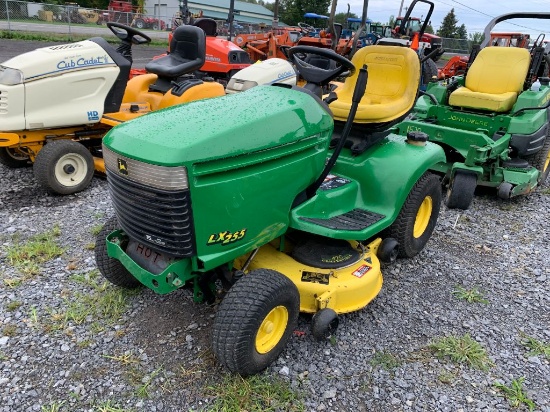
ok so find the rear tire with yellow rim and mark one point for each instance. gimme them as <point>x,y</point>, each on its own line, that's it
<point>416,221</point>
<point>541,159</point>
<point>254,321</point>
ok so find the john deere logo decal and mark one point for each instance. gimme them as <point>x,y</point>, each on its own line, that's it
<point>122,166</point>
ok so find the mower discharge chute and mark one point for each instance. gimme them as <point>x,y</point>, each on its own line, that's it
<point>493,122</point>
<point>287,205</point>
<point>59,101</point>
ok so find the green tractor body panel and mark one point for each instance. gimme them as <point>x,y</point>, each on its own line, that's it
<point>244,174</point>
<point>280,117</point>
<point>481,142</point>
<point>377,181</point>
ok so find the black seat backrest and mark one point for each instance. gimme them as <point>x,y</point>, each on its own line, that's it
<point>187,54</point>
<point>209,26</point>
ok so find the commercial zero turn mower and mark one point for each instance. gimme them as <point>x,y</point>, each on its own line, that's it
<point>288,205</point>
<point>492,122</point>
<point>57,102</point>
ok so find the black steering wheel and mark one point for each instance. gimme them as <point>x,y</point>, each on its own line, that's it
<point>128,34</point>
<point>307,28</point>
<point>316,75</point>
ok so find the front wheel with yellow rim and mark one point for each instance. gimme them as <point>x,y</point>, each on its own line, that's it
<point>254,321</point>
<point>416,221</point>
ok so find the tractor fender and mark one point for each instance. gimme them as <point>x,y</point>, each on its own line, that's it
<point>388,171</point>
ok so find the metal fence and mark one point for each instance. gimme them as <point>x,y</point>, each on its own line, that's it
<point>458,46</point>
<point>15,16</point>
<point>13,13</point>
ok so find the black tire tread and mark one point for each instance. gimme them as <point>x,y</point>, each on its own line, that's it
<point>110,268</point>
<point>537,160</point>
<point>461,191</point>
<point>49,155</point>
<point>402,228</point>
<point>240,314</point>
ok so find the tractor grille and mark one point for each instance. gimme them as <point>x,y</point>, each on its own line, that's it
<point>236,56</point>
<point>155,216</point>
<point>3,101</point>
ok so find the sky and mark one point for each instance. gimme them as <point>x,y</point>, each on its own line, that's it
<point>474,14</point>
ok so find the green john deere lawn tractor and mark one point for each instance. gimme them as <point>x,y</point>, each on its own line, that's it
<point>493,122</point>
<point>287,205</point>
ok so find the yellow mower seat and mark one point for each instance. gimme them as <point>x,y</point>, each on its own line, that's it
<point>494,79</point>
<point>392,85</point>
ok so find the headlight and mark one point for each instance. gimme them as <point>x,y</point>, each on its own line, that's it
<point>240,85</point>
<point>10,77</point>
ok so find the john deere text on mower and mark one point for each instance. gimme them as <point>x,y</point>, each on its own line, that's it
<point>287,205</point>
<point>64,98</point>
<point>492,122</point>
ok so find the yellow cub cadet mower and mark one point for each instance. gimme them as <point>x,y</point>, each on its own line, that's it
<point>57,102</point>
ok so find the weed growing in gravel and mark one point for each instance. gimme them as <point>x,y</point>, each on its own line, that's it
<point>462,349</point>
<point>96,229</point>
<point>52,407</point>
<point>127,358</point>
<point>469,295</point>
<point>104,304</point>
<point>545,191</point>
<point>143,390</point>
<point>515,393</point>
<point>386,360</point>
<point>9,330</point>
<point>13,305</point>
<point>27,257</point>
<point>254,394</point>
<point>108,406</point>
<point>535,346</point>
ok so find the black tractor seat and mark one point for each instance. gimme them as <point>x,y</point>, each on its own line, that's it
<point>187,54</point>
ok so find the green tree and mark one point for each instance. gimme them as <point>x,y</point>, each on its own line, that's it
<point>293,10</point>
<point>461,32</point>
<point>475,38</point>
<point>342,18</point>
<point>448,26</point>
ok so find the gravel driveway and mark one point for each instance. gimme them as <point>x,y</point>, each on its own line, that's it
<point>70,342</point>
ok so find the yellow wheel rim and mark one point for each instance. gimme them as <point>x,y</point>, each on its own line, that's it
<point>423,217</point>
<point>272,329</point>
<point>547,163</point>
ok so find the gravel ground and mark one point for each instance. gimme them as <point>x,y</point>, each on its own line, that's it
<point>378,361</point>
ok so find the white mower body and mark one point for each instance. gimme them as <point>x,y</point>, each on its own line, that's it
<point>56,86</point>
<point>263,73</point>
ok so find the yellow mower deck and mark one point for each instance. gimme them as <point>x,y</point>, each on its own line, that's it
<point>344,290</point>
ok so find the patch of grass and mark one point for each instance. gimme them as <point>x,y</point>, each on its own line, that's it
<point>385,360</point>
<point>9,330</point>
<point>257,393</point>
<point>447,377</point>
<point>28,256</point>
<point>142,390</point>
<point>13,305</point>
<point>89,246</point>
<point>545,191</point>
<point>515,393</point>
<point>125,359</point>
<point>463,350</point>
<point>12,282</point>
<point>96,229</point>
<point>535,346</point>
<point>52,407</point>
<point>469,295</point>
<point>51,37</point>
<point>103,305</point>
<point>108,406</point>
